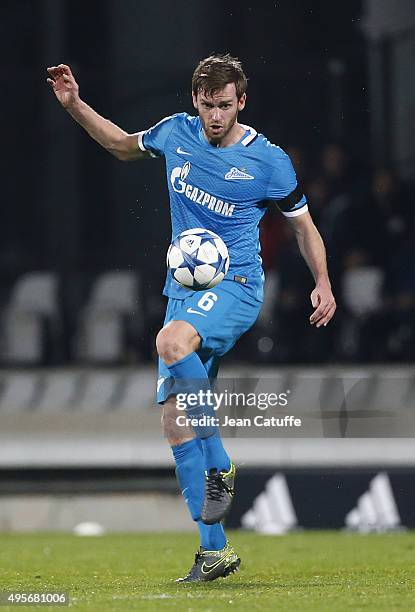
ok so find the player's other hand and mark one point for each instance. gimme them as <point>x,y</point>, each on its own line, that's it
<point>324,303</point>
<point>64,85</point>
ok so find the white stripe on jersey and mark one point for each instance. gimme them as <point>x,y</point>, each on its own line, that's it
<point>140,141</point>
<point>141,146</point>
<point>295,213</point>
<point>245,142</point>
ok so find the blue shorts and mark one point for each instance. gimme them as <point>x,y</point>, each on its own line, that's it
<point>220,316</point>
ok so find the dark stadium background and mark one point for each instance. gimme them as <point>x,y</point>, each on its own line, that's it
<point>72,208</point>
<point>331,82</point>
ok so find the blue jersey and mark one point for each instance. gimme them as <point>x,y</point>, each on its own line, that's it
<point>224,189</point>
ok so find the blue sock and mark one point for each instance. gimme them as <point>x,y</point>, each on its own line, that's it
<point>214,454</point>
<point>190,374</point>
<point>190,378</point>
<point>212,537</point>
<point>190,474</point>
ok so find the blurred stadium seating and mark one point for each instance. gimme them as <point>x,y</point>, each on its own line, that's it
<point>29,318</point>
<point>103,322</point>
<point>82,444</point>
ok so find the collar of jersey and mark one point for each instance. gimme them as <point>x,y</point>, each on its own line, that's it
<point>245,139</point>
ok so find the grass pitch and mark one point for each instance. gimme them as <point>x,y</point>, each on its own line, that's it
<point>304,571</point>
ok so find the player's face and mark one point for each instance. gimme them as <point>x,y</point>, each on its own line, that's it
<point>218,113</point>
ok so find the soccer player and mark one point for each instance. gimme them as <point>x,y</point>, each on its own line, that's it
<point>221,176</point>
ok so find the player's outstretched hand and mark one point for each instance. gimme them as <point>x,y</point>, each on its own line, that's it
<point>64,85</point>
<point>324,303</point>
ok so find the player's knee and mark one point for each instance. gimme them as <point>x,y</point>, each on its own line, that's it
<point>172,344</point>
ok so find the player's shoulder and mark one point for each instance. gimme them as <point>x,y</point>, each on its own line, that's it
<point>261,146</point>
<point>269,150</point>
<point>177,120</point>
<point>185,121</point>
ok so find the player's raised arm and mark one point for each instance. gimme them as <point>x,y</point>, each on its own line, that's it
<point>119,143</point>
<point>312,249</point>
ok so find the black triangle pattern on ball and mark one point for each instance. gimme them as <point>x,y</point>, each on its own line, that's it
<point>191,261</point>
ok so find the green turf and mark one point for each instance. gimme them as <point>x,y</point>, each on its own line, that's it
<point>304,571</point>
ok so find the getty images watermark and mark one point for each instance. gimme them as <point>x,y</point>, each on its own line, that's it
<point>301,405</point>
<point>215,409</point>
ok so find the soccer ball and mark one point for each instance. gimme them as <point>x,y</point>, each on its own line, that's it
<point>198,259</point>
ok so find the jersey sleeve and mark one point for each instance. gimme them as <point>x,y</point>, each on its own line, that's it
<point>155,138</point>
<point>283,188</point>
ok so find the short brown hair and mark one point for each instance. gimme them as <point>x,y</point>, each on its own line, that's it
<point>215,72</point>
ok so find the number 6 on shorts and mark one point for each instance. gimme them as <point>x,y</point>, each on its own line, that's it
<point>207,301</point>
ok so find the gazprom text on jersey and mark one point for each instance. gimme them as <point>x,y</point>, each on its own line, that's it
<point>199,196</point>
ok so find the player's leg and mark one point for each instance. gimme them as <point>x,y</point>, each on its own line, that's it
<point>220,316</point>
<point>216,319</point>
<point>215,557</point>
<point>190,472</point>
<point>177,344</point>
